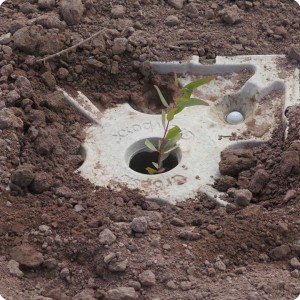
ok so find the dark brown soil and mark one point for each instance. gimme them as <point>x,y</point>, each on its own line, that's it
<point>63,238</point>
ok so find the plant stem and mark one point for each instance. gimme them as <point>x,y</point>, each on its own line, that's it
<point>161,147</point>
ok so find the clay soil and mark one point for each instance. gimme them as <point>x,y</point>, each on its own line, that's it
<point>63,238</point>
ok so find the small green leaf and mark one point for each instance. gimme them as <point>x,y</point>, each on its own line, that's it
<point>150,145</point>
<point>161,96</point>
<point>173,112</point>
<point>184,102</point>
<point>170,150</point>
<point>176,79</point>
<point>163,119</point>
<point>155,165</point>
<point>151,170</point>
<point>173,132</point>
<point>187,90</point>
<point>171,143</point>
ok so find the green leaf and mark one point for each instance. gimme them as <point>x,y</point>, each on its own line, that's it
<point>171,149</point>
<point>187,90</point>
<point>151,170</point>
<point>186,102</point>
<point>171,143</point>
<point>173,132</point>
<point>150,145</point>
<point>161,96</point>
<point>176,79</point>
<point>173,112</point>
<point>163,119</point>
<point>155,165</point>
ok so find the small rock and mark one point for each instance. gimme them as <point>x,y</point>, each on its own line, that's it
<point>294,262</point>
<point>114,67</point>
<point>78,208</point>
<point>211,272</point>
<point>110,257</point>
<point>64,191</point>
<point>106,237</point>
<point>27,255</point>
<point>231,15</point>
<point>290,194</point>
<point>209,14</point>
<point>147,278</point>
<point>118,266</point>
<point>154,219</point>
<point>118,11</point>
<point>296,247</point>
<point>178,4</point>
<point>43,228</point>
<point>46,4</point>
<point>50,263</point>
<point>166,247</point>
<point>250,211</point>
<point>223,183</point>
<point>42,182</point>
<point>8,119</point>
<point>280,30</point>
<point>94,63</point>
<point>12,97</point>
<point>27,8</point>
<point>122,293</point>
<point>189,236</point>
<point>242,197</point>
<point>14,269</point>
<point>138,39</point>
<point>185,285</point>
<point>139,225</point>
<point>6,70</point>
<point>259,181</point>
<point>86,294</point>
<point>253,296</point>
<point>24,87</point>
<point>295,273</point>
<point>119,45</point>
<point>289,163</point>
<point>172,21</point>
<point>177,222</point>
<point>191,10</point>
<point>72,11</point>
<point>22,176</point>
<point>135,284</point>
<point>50,21</point>
<point>27,38</point>
<point>49,79</point>
<point>171,285</point>
<point>280,252</point>
<point>233,161</point>
<point>220,265</point>
<point>219,233</point>
<point>62,73</point>
<point>65,274</point>
<point>211,228</point>
<point>115,262</point>
<point>294,52</point>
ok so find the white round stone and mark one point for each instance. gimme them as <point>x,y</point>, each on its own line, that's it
<point>234,117</point>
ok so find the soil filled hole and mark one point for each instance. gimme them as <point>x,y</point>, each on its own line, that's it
<point>140,161</point>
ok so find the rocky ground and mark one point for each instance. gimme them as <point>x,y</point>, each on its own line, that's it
<point>62,238</point>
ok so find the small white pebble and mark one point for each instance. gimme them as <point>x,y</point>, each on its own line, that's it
<point>234,117</point>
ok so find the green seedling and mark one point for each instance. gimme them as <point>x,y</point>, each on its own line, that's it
<point>171,136</point>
